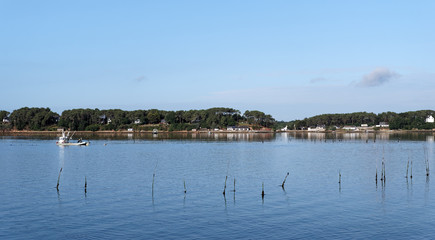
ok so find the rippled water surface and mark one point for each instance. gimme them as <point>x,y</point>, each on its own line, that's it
<point>121,201</point>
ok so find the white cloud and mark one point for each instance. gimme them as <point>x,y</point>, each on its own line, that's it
<point>377,77</point>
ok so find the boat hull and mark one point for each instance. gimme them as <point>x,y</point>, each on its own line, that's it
<point>73,144</point>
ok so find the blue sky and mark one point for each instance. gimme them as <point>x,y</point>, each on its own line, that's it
<point>291,59</point>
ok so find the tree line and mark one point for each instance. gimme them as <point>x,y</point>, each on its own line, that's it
<point>117,119</point>
<point>405,121</point>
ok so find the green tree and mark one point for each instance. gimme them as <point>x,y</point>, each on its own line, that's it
<point>153,116</point>
<point>33,118</point>
<point>3,114</point>
<point>259,118</point>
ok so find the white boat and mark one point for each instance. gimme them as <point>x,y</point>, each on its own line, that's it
<point>65,139</point>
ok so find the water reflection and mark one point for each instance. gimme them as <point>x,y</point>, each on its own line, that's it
<point>430,149</point>
<point>364,136</point>
<point>61,156</point>
<point>61,165</point>
<point>222,136</point>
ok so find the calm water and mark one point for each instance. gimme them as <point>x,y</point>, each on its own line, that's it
<point>120,202</point>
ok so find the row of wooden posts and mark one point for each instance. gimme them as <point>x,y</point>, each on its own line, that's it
<point>184,182</point>
<point>382,178</point>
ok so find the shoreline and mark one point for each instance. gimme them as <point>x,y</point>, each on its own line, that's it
<point>30,132</point>
<point>23,132</point>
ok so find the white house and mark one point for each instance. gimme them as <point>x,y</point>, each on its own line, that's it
<point>6,120</point>
<point>364,125</point>
<point>137,121</point>
<point>238,128</point>
<point>316,129</point>
<point>350,128</point>
<point>430,119</point>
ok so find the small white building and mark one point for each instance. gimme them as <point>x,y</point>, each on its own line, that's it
<point>238,128</point>
<point>350,128</point>
<point>383,125</point>
<point>430,119</point>
<point>137,121</point>
<point>5,120</point>
<point>316,129</point>
<point>364,125</point>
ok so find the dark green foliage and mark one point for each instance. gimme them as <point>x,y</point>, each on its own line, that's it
<point>116,119</point>
<point>208,118</point>
<point>33,118</point>
<point>153,116</point>
<point>93,127</point>
<point>357,119</point>
<point>79,119</point>
<point>259,118</point>
<point>405,121</point>
<point>108,127</point>
<point>170,117</point>
<point>3,114</point>
<point>4,126</point>
<point>412,120</point>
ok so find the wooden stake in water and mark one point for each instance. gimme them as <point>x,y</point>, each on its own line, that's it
<point>153,184</point>
<point>154,175</point>
<point>184,186</point>
<point>411,170</point>
<point>262,191</point>
<point>283,182</point>
<point>407,166</point>
<point>86,185</point>
<point>226,177</point>
<point>383,165</point>
<point>376,177</point>
<point>426,160</point>
<point>234,185</point>
<point>339,177</point>
<point>58,179</point>
<point>225,186</point>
